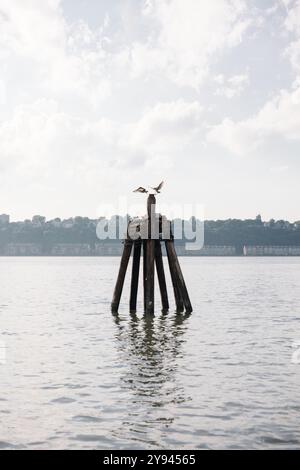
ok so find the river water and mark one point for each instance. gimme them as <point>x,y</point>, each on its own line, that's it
<point>74,376</point>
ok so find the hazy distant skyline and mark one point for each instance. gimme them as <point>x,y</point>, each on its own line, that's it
<point>97,97</point>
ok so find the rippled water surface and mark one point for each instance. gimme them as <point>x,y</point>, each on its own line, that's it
<point>74,376</point>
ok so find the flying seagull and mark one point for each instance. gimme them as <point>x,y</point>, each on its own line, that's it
<point>140,189</point>
<point>157,189</point>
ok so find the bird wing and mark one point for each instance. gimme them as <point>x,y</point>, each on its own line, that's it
<point>140,189</point>
<point>160,185</point>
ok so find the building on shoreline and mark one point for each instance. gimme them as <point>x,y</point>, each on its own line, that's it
<point>207,250</point>
<point>71,249</point>
<point>22,249</point>
<point>108,248</point>
<point>271,251</point>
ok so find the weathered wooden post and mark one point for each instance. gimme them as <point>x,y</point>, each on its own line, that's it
<point>135,275</point>
<point>150,256</point>
<point>177,293</point>
<point>121,276</point>
<point>178,276</point>
<point>161,277</point>
<point>144,270</point>
<point>149,232</point>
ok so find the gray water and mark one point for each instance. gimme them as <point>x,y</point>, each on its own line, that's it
<point>74,376</point>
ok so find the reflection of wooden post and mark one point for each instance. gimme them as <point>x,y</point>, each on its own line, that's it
<point>177,275</point>
<point>135,275</point>
<point>121,276</point>
<point>161,277</point>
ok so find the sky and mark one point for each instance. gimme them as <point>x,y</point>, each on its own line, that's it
<point>98,97</point>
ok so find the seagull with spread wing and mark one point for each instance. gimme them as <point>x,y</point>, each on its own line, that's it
<point>140,189</point>
<point>158,188</point>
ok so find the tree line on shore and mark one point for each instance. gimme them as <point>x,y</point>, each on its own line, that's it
<point>233,232</point>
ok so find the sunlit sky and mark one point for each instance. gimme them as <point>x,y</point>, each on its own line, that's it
<point>100,96</point>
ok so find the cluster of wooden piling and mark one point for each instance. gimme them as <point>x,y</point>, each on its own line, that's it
<point>152,257</point>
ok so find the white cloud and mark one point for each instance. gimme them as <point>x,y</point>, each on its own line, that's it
<point>169,120</point>
<point>165,131</point>
<point>278,117</point>
<point>279,169</point>
<point>188,36</point>
<point>232,86</point>
<point>292,26</point>
<point>292,21</point>
<point>18,21</point>
<point>57,73</point>
<point>237,137</point>
<point>40,141</point>
<point>88,103</point>
<point>55,59</point>
<point>293,53</point>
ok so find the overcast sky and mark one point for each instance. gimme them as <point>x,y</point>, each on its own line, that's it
<point>99,96</point>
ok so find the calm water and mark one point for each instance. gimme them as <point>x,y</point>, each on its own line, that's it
<point>77,377</point>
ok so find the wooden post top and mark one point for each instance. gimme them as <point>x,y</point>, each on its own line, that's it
<point>151,203</point>
<point>139,228</point>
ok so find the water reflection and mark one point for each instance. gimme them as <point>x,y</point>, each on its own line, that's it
<point>151,348</point>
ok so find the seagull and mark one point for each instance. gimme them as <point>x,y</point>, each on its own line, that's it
<point>140,189</point>
<point>157,189</point>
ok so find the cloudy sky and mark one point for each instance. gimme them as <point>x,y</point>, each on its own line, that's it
<point>99,96</point>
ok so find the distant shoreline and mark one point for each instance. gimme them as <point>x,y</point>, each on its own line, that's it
<point>107,248</point>
<point>77,236</point>
<point>180,255</point>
